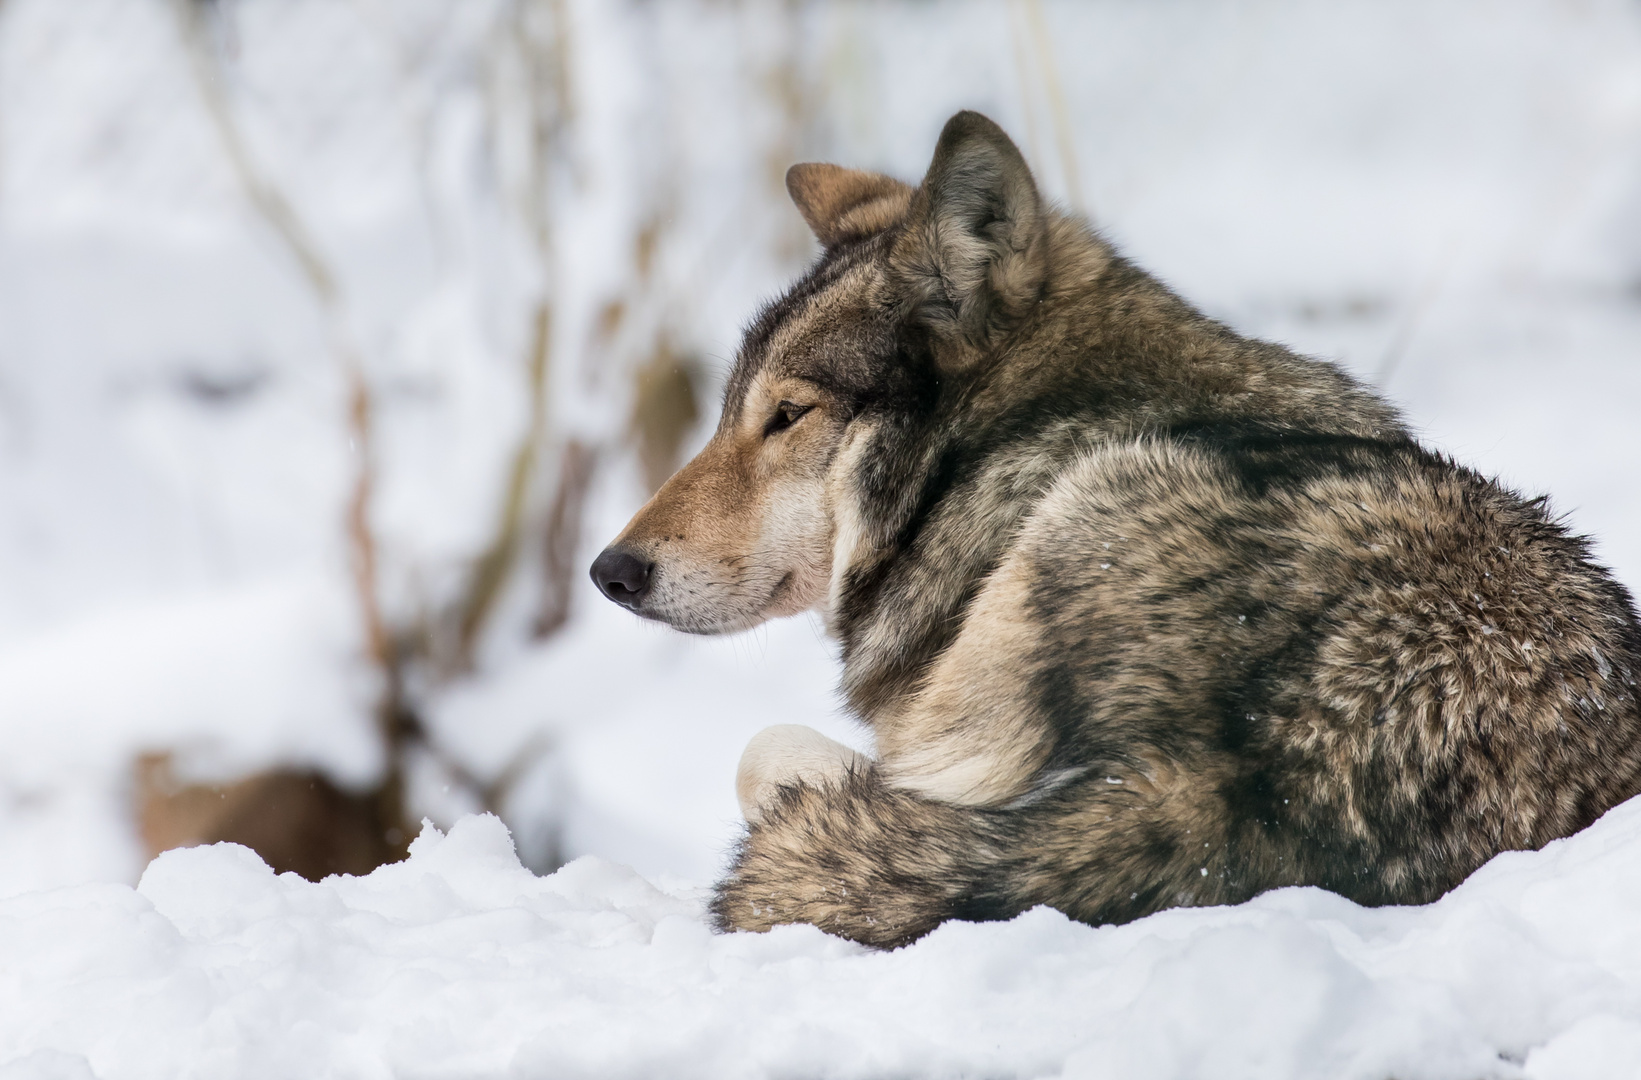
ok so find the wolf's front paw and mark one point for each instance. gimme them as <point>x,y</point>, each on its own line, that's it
<point>788,754</point>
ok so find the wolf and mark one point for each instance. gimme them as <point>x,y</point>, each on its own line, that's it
<point>1140,612</point>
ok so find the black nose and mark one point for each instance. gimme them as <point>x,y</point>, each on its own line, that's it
<point>622,576</point>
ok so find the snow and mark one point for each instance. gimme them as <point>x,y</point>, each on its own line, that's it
<point>1442,197</point>
<point>460,962</point>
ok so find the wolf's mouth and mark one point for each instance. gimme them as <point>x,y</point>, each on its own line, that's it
<point>634,582</point>
<point>725,617</point>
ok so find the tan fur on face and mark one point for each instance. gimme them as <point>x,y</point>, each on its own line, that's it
<point>747,530</point>
<point>743,533</point>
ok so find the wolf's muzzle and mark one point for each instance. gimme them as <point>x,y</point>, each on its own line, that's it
<point>623,576</point>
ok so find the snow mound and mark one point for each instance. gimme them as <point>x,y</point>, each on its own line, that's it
<point>460,963</point>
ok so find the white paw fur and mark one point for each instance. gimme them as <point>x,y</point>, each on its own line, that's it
<point>789,754</point>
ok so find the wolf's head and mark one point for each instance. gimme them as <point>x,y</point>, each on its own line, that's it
<point>917,290</point>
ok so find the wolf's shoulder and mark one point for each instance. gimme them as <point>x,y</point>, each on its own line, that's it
<point>1291,492</point>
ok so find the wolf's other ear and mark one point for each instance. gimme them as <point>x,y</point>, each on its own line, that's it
<point>846,204</point>
<point>975,248</point>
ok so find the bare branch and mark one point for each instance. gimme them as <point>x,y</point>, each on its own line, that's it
<point>563,536</point>
<point>276,211</point>
<point>491,568</point>
<point>539,35</point>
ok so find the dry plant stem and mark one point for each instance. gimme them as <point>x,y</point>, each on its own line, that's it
<point>1056,102</point>
<point>493,793</point>
<point>1407,328</point>
<point>492,567</point>
<point>1023,69</point>
<point>797,98</point>
<point>1031,13</point>
<point>563,536</point>
<point>545,59</point>
<point>277,211</point>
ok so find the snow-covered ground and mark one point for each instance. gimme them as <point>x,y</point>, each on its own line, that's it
<point>1446,197</point>
<point>461,963</point>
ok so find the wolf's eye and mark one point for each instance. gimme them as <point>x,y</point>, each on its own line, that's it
<point>786,414</point>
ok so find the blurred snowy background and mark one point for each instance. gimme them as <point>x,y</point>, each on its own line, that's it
<point>336,336</point>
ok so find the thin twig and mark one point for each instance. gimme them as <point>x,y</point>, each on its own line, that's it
<point>562,539</point>
<point>1401,341</point>
<point>547,106</point>
<point>393,718</point>
<point>491,568</point>
<point>1064,142</point>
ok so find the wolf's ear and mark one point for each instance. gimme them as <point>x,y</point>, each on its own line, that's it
<point>974,252</point>
<point>846,204</point>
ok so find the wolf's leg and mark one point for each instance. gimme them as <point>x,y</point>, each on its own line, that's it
<point>884,866</point>
<point>785,755</point>
<point>856,858</point>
